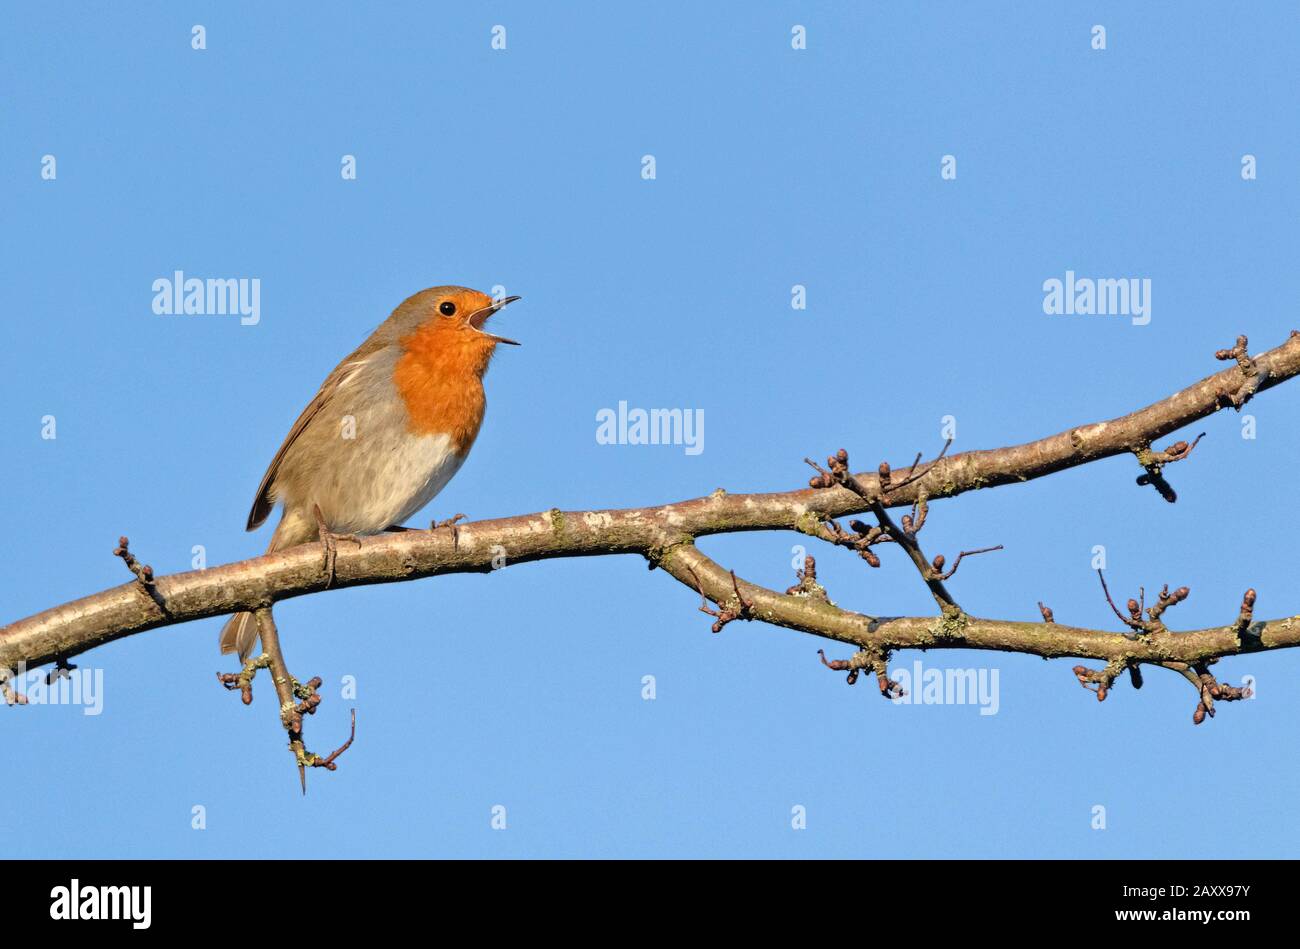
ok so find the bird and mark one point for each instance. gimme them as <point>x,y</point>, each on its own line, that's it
<point>387,430</point>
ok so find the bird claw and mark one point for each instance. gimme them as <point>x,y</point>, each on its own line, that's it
<point>449,522</point>
<point>329,542</point>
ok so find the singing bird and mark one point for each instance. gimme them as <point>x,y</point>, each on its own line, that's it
<point>387,430</point>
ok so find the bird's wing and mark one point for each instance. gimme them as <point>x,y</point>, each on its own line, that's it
<point>264,501</point>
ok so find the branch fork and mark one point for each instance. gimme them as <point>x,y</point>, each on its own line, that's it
<point>864,537</point>
<point>143,573</point>
<point>1252,375</point>
<point>243,679</point>
<point>1136,607</point>
<point>296,698</point>
<point>1154,461</point>
<point>1208,688</point>
<point>877,662</point>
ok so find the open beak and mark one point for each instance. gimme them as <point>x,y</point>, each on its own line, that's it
<point>479,317</point>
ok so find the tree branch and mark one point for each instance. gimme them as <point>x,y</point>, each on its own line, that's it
<point>665,536</point>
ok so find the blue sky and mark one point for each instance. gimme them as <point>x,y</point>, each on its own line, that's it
<point>774,167</point>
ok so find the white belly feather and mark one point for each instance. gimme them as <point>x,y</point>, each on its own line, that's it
<point>391,482</point>
<point>422,464</point>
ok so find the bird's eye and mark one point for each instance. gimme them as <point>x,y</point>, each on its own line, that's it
<point>447,308</point>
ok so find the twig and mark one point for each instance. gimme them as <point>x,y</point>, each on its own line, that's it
<point>1253,376</point>
<point>1134,619</point>
<point>913,478</point>
<point>866,659</point>
<point>316,761</point>
<point>143,573</point>
<point>1164,601</point>
<point>1100,680</point>
<point>861,540</point>
<point>11,695</point>
<point>1209,689</point>
<point>1247,611</point>
<point>287,689</point>
<point>937,564</point>
<point>1154,461</point>
<point>243,680</point>
<point>807,584</point>
<point>1153,623</point>
<point>742,610</point>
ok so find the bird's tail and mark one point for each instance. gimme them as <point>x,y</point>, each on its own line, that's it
<point>239,635</point>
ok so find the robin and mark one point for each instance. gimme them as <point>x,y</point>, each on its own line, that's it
<point>387,430</point>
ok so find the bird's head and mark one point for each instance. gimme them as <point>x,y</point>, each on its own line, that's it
<point>448,323</point>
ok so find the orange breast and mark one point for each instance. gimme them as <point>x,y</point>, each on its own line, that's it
<point>439,377</point>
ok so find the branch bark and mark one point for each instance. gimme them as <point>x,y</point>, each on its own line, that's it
<point>665,535</point>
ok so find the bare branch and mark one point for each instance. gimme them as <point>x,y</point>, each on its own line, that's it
<point>666,536</point>
<point>938,560</point>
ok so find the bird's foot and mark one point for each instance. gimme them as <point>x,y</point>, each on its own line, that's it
<point>449,522</point>
<point>329,542</point>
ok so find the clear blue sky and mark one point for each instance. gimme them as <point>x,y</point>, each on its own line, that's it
<point>775,167</point>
